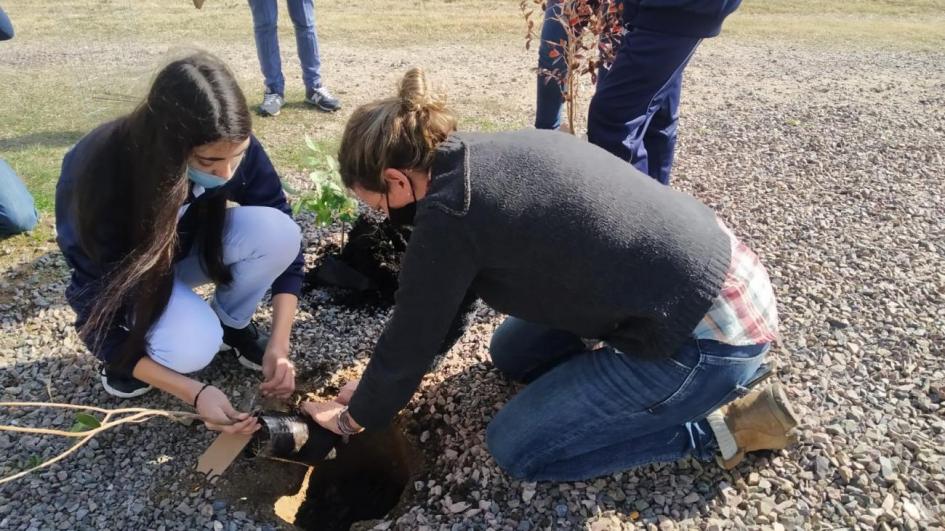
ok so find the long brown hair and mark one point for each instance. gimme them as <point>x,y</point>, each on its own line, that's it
<point>192,102</point>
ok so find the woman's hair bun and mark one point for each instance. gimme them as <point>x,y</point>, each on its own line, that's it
<point>416,94</point>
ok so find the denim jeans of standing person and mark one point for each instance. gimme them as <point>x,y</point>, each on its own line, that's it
<point>259,243</point>
<point>265,17</point>
<point>6,27</point>
<point>587,413</point>
<point>634,112</point>
<point>17,212</point>
<point>549,100</point>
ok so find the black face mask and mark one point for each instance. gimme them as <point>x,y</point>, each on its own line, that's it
<point>403,216</point>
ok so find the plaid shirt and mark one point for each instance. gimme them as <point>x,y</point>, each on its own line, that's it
<point>745,312</point>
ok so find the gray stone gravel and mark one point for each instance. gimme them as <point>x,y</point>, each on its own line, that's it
<point>829,163</point>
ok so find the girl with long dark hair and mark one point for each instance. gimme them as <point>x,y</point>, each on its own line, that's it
<point>143,216</point>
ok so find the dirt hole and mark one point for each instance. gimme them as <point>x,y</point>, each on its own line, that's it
<point>364,481</point>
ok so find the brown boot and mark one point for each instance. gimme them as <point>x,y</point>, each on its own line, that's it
<point>760,420</point>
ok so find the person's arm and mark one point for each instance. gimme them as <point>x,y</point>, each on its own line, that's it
<point>263,188</point>
<point>437,271</point>
<point>277,368</point>
<point>212,405</point>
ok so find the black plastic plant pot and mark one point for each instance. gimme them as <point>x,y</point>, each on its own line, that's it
<point>293,436</point>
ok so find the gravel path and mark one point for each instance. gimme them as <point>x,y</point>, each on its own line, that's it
<point>828,163</point>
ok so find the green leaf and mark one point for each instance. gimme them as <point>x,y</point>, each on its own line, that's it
<point>333,163</point>
<point>311,144</point>
<point>87,420</point>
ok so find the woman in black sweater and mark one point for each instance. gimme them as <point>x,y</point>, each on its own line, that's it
<point>577,248</point>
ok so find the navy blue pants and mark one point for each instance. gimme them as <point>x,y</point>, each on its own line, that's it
<point>634,112</point>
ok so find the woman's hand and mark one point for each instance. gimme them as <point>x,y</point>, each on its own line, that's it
<point>344,396</point>
<point>279,373</point>
<point>214,408</point>
<point>325,414</point>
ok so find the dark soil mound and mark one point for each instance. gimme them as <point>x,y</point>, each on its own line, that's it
<point>365,271</point>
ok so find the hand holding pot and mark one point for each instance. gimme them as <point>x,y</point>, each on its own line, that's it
<point>346,392</point>
<point>325,414</point>
<point>214,408</point>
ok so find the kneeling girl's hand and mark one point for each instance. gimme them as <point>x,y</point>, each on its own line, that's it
<point>214,408</point>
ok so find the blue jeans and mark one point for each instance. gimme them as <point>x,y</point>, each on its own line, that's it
<point>302,13</point>
<point>549,101</point>
<point>590,413</point>
<point>17,213</point>
<point>6,27</point>
<point>634,112</point>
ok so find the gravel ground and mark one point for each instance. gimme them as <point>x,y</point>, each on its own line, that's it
<point>828,163</point>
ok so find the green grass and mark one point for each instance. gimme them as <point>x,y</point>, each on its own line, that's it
<point>50,102</point>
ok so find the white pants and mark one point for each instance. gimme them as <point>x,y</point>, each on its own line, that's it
<point>259,243</point>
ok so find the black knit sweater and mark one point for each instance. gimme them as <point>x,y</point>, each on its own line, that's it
<point>552,230</point>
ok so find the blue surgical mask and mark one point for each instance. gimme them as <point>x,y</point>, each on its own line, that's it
<point>207,180</point>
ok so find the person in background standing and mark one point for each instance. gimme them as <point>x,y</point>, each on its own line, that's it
<point>302,13</point>
<point>635,110</point>
<point>17,213</point>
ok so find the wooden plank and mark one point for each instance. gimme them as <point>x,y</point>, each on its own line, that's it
<point>221,453</point>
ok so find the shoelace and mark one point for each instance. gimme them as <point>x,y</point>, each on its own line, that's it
<point>323,92</point>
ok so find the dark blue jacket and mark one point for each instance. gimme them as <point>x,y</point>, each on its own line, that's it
<point>687,18</point>
<point>255,183</point>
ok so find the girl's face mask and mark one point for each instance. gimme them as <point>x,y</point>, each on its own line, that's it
<point>221,158</point>
<point>207,180</point>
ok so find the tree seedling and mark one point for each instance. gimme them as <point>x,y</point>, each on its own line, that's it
<point>593,30</point>
<point>326,198</point>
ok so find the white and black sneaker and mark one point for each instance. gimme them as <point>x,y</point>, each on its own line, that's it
<point>321,98</point>
<point>121,385</point>
<point>249,344</point>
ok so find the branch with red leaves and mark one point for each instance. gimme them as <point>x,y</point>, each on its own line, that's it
<point>592,31</point>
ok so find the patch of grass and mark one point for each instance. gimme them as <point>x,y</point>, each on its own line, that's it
<point>72,61</point>
<point>376,22</point>
<point>923,33</point>
<point>481,124</point>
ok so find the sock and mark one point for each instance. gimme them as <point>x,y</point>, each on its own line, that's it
<point>723,435</point>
